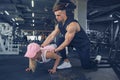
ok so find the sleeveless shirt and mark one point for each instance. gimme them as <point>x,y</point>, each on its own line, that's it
<point>80,39</point>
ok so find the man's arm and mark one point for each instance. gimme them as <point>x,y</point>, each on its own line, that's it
<point>49,39</point>
<point>71,30</point>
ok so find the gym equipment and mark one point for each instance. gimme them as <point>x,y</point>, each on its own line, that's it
<point>115,47</point>
<point>109,43</point>
<point>6,40</point>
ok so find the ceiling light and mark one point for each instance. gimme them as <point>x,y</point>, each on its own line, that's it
<point>32,3</point>
<point>7,12</point>
<point>17,23</point>
<point>116,21</point>
<point>111,15</point>
<point>13,19</point>
<point>19,19</point>
<point>33,24</point>
<point>33,14</point>
<point>33,20</point>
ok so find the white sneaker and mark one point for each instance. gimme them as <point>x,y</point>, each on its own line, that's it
<point>64,65</point>
<point>98,58</point>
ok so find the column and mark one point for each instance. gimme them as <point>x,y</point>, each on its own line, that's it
<point>80,13</point>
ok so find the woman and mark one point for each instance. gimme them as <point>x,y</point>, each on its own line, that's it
<point>36,53</point>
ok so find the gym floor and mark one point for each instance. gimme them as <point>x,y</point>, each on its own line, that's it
<point>12,67</point>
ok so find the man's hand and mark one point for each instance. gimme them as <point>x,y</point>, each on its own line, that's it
<point>42,45</point>
<point>52,51</point>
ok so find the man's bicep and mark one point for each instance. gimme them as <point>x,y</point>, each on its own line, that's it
<point>70,35</point>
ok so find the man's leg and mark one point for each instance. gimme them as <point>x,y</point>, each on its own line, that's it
<point>86,62</point>
<point>66,63</point>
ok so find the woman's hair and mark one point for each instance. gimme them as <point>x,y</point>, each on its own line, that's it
<point>32,65</point>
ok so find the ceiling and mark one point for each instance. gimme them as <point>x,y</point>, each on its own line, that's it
<point>101,10</point>
<point>21,13</point>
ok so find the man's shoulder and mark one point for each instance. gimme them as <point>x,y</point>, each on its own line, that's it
<point>74,23</point>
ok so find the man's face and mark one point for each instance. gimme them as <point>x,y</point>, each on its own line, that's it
<point>60,14</point>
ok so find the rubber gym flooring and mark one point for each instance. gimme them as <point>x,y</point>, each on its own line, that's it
<point>12,67</point>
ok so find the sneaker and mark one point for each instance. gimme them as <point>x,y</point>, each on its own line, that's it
<point>64,65</point>
<point>98,59</point>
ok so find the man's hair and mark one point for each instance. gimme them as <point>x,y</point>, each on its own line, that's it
<point>59,6</point>
<point>69,7</point>
<point>64,6</point>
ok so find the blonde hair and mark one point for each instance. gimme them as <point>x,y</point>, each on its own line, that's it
<point>32,64</point>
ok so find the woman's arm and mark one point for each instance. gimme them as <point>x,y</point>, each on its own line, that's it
<point>32,65</point>
<point>52,55</point>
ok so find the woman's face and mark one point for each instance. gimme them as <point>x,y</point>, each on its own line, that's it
<point>37,56</point>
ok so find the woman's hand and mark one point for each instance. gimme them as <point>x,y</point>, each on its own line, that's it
<point>51,71</point>
<point>28,69</point>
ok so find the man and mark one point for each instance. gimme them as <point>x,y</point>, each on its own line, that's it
<point>72,35</point>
